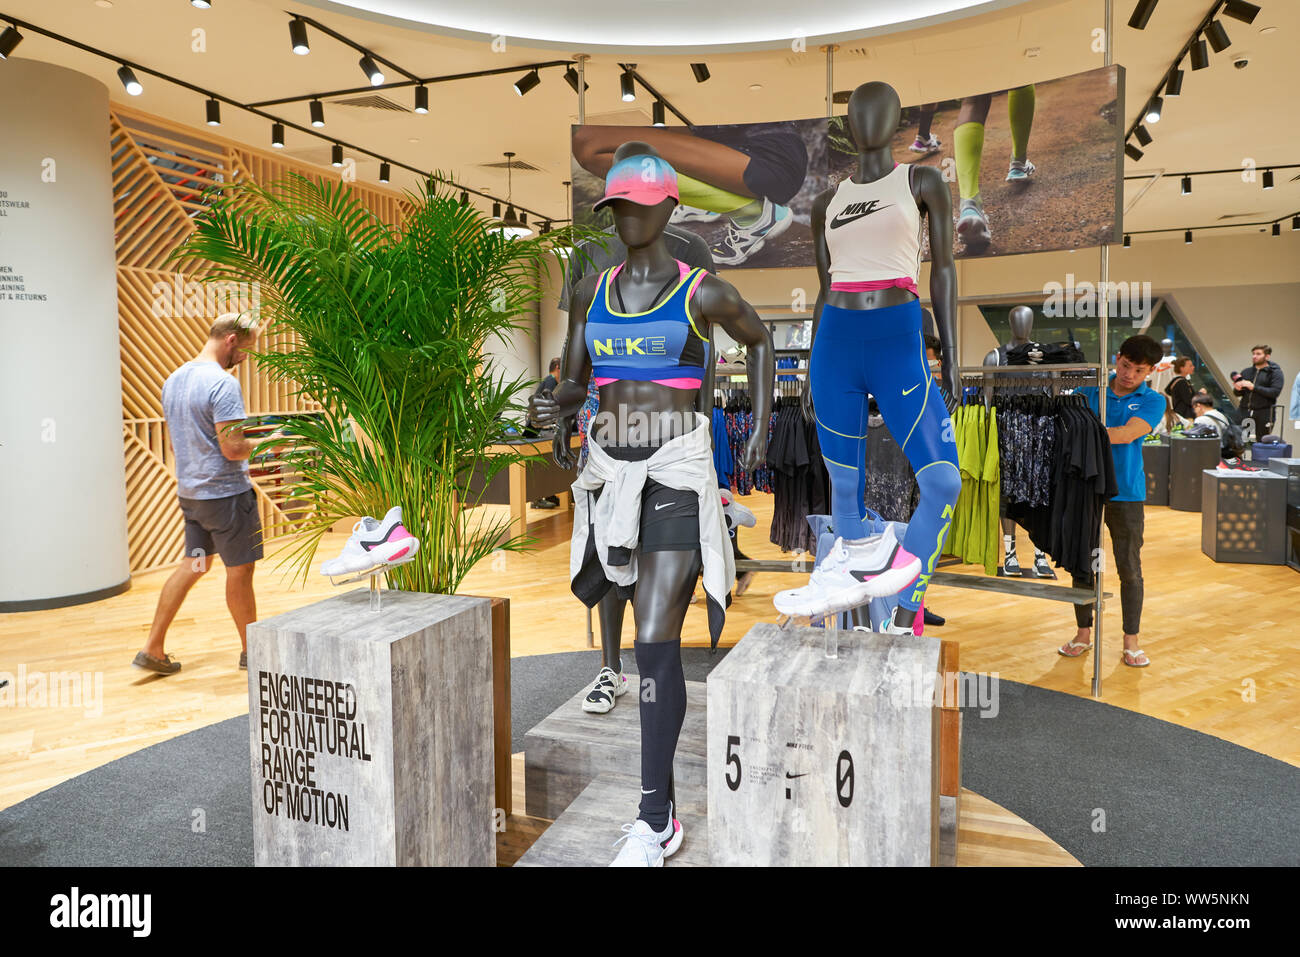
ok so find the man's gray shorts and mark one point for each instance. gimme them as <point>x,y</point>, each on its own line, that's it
<point>229,526</point>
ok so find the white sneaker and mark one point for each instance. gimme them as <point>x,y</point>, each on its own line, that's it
<point>743,241</point>
<point>692,214</point>
<point>609,685</point>
<point>850,576</point>
<point>373,543</point>
<point>737,515</point>
<point>642,847</point>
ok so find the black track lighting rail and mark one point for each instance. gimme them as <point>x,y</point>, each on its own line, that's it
<point>638,78</point>
<point>256,111</point>
<point>1215,172</point>
<point>415,81</point>
<point>1201,229</point>
<point>1185,51</point>
<point>354,45</point>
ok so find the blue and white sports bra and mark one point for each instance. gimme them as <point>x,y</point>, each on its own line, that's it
<point>659,345</point>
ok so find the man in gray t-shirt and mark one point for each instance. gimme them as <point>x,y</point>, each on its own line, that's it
<point>205,414</point>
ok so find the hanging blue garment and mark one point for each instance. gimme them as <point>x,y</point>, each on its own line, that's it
<point>723,464</point>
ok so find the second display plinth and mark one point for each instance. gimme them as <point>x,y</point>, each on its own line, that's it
<point>814,761</point>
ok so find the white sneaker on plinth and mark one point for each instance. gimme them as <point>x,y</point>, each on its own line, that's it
<point>851,575</point>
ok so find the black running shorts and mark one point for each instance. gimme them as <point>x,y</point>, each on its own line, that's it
<point>229,526</point>
<point>778,165</point>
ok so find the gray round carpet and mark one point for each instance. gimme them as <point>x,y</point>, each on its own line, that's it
<point>1110,786</point>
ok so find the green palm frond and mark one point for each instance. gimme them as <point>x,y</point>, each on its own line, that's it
<point>389,325</point>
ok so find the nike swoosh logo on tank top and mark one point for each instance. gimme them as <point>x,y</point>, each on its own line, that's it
<point>855,211</point>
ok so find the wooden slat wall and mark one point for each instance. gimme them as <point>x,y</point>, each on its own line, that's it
<point>160,172</point>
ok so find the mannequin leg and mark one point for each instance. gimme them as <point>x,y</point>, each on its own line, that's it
<point>899,378</point>
<point>840,403</point>
<point>665,582</point>
<point>610,611</point>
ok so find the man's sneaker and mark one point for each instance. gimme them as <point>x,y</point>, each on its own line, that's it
<point>743,241</point>
<point>1043,567</point>
<point>692,214</point>
<point>642,847</point>
<point>1020,171</point>
<point>926,146</point>
<point>166,665</point>
<point>973,226</point>
<point>372,544</point>
<point>1010,567</point>
<point>609,685</point>
<point>850,576</point>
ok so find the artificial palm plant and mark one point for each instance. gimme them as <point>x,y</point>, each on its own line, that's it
<point>389,325</point>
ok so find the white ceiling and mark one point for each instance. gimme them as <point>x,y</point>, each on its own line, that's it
<point>632,27</point>
<point>1224,116</point>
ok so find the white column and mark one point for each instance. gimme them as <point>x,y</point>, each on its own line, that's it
<point>62,477</point>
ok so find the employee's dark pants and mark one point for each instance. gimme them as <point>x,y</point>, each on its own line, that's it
<point>1125,521</point>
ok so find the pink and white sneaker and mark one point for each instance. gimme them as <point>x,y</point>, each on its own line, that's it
<point>852,575</point>
<point>373,544</point>
<point>642,847</point>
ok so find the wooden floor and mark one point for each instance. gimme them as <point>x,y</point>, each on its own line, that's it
<point>1223,640</point>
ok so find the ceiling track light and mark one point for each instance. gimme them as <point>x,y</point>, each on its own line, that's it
<point>201,4</point>
<point>1268,179</point>
<point>129,82</point>
<point>1241,10</point>
<point>1218,37</point>
<point>317,114</point>
<point>544,228</point>
<point>628,87</point>
<point>336,155</point>
<point>298,37</point>
<point>1132,151</point>
<point>1142,13</point>
<point>659,113</point>
<point>1277,229</point>
<point>571,78</point>
<point>1200,55</point>
<point>422,99</point>
<point>213,112</point>
<point>1153,109</point>
<point>1187,186</point>
<point>527,82</point>
<point>1142,135</point>
<point>1174,83</point>
<point>464,197</point>
<point>9,41</point>
<point>1187,237</point>
<point>496,210</point>
<point>371,69</point>
<point>1295,223</point>
<point>385,172</point>
<point>701,71</point>
<point>277,135</point>
<point>1128,240</point>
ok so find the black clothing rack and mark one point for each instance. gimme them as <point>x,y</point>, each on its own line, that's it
<point>1055,378</point>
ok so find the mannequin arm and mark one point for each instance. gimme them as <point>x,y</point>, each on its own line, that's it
<point>943,271</point>
<point>575,366</point>
<point>720,303</point>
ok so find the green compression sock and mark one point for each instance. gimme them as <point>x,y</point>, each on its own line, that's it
<point>1020,113</point>
<point>968,143</point>
<point>702,195</point>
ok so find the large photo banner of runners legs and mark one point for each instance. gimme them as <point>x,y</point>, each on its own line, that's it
<point>1031,169</point>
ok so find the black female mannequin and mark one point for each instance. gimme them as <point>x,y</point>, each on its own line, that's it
<point>665,579</point>
<point>873,115</point>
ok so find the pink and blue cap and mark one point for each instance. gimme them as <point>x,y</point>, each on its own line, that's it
<point>646,180</point>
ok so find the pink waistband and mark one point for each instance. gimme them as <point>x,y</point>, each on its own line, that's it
<point>671,383</point>
<point>871,285</point>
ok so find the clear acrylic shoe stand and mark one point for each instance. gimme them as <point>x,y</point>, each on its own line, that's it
<point>373,574</point>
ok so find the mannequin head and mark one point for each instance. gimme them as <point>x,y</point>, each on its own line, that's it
<point>639,225</point>
<point>874,112</point>
<point>1022,323</point>
<point>1168,346</point>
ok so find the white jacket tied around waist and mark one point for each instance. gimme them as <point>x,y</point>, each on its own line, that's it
<point>614,520</point>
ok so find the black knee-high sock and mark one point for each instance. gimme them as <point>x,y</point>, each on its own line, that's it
<point>663,708</point>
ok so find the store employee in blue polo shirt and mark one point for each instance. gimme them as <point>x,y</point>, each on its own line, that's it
<point>1132,410</point>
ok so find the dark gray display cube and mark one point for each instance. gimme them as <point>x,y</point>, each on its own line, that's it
<point>1243,517</point>
<point>1290,470</point>
<point>1155,459</point>
<point>1188,459</point>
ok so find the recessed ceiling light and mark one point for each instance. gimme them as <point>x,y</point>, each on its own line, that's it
<point>756,86</point>
<point>1267,30</point>
<point>413,139</point>
<point>104,4</point>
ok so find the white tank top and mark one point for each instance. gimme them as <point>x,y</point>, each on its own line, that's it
<point>873,230</point>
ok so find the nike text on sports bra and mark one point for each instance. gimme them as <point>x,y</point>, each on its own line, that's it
<point>659,345</point>
<point>873,231</point>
